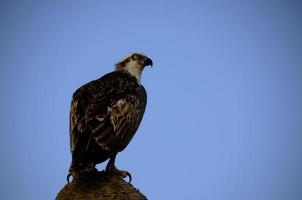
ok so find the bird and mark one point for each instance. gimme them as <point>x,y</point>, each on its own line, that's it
<point>105,115</point>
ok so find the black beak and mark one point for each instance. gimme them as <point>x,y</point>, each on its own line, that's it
<point>148,62</point>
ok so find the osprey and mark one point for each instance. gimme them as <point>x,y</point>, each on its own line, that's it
<point>104,116</point>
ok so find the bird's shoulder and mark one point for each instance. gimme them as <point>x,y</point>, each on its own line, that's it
<point>109,88</point>
<point>111,85</point>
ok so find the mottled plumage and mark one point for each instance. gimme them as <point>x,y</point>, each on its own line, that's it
<point>104,116</point>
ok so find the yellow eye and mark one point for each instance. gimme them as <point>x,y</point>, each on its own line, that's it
<point>135,56</point>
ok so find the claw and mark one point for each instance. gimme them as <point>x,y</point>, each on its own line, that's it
<point>111,168</point>
<point>129,175</point>
<point>123,174</point>
<point>68,176</point>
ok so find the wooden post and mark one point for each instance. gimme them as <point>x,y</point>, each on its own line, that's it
<point>103,186</point>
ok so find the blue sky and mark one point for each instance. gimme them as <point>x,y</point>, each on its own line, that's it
<point>224,113</point>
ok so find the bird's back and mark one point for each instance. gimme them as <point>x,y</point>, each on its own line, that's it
<point>104,116</point>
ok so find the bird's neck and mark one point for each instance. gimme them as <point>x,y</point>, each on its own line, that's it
<point>137,73</point>
<point>134,70</point>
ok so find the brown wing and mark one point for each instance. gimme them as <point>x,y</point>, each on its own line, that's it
<point>105,115</point>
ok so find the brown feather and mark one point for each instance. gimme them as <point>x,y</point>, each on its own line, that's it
<point>104,116</point>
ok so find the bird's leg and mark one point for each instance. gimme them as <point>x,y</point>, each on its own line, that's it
<point>112,169</point>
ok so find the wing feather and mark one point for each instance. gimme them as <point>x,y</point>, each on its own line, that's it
<point>105,114</point>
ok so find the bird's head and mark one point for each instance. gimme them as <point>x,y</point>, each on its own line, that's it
<point>134,64</point>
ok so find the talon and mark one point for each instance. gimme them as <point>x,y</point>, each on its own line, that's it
<point>123,174</point>
<point>111,168</point>
<point>68,176</point>
<point>129,175</point>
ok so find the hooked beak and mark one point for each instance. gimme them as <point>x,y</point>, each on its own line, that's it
<point>148,62</point>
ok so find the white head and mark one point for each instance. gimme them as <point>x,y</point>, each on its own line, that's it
<point>134,64</point>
